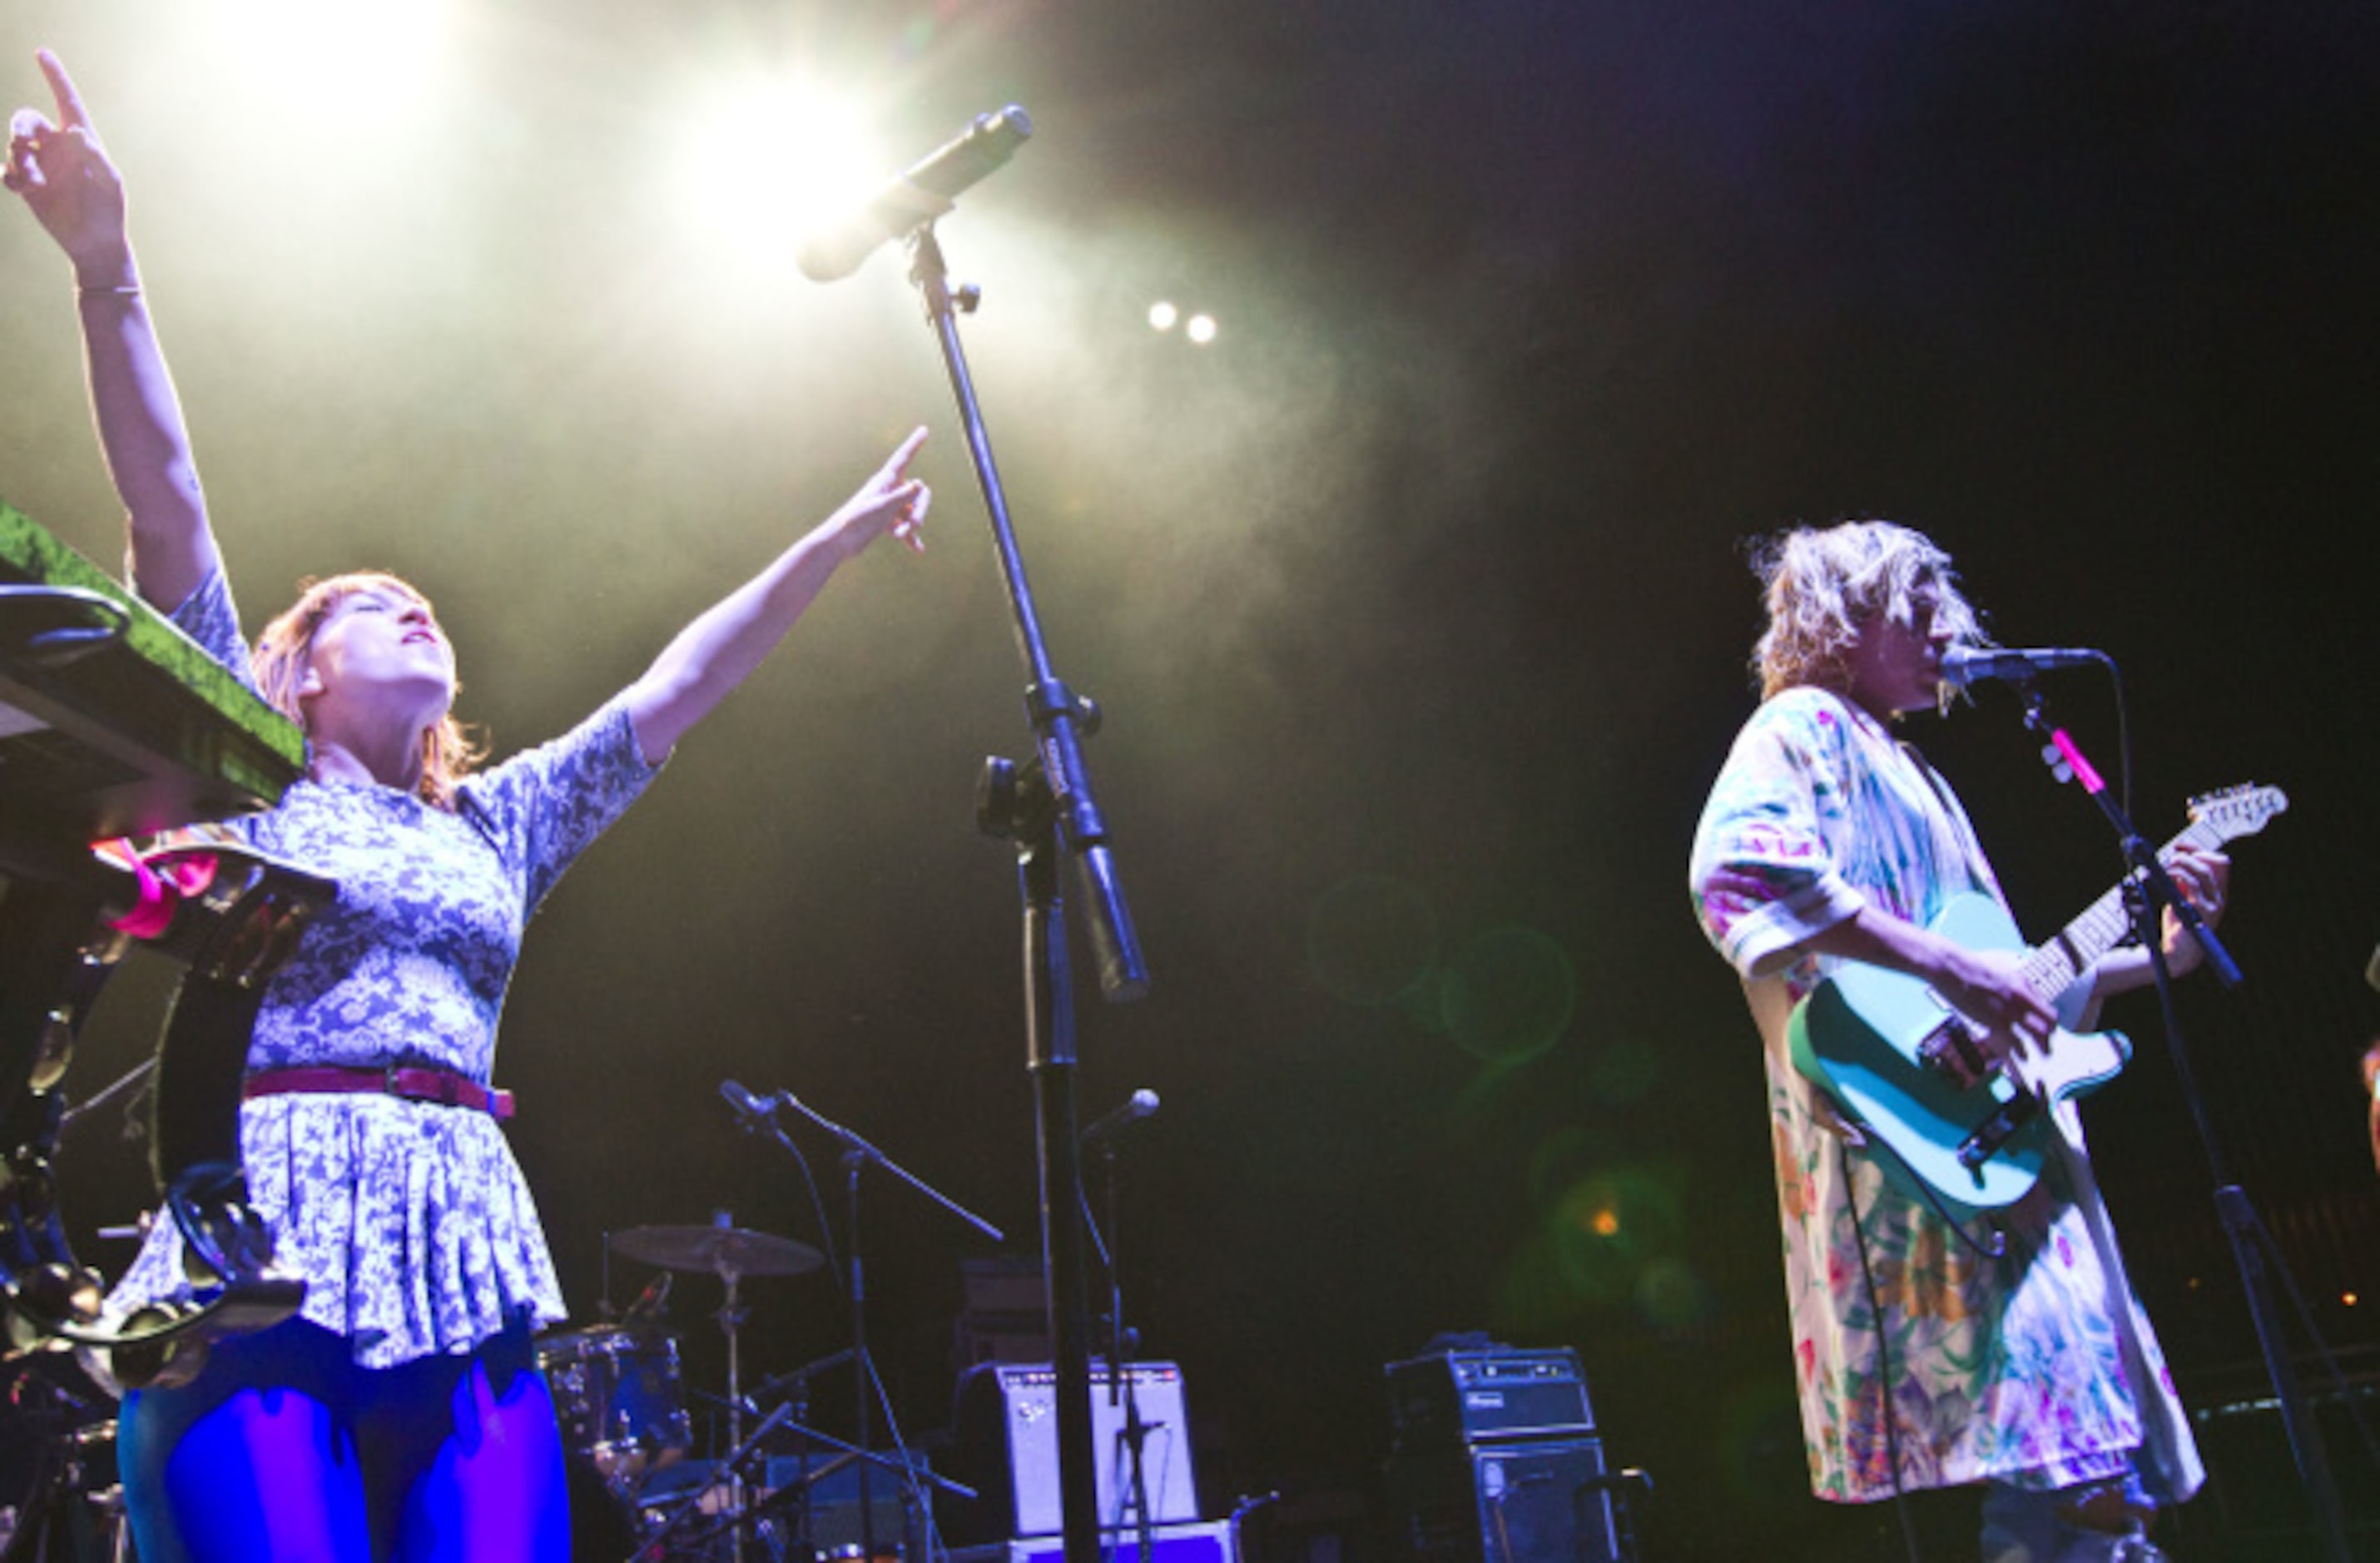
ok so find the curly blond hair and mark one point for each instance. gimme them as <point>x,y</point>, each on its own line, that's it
<point>1820,584</point>
<point>449,751</point>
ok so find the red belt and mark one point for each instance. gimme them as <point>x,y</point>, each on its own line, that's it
<point>414,1083</point>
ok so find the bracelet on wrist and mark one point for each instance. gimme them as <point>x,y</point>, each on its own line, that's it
<point>118,290</point>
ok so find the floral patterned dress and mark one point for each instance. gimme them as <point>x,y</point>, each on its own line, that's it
<point>411,1221</point>
<point>2038,1368</point>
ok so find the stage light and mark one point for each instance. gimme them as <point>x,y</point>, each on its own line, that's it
<point>772,161</point>
<point>1161,315</point>
<point>345,59</point>
<point>1200,329</point>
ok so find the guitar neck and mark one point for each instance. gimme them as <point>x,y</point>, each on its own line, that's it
<point>2056,963</point>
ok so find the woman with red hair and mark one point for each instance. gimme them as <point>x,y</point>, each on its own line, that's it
<point>401,1415</point>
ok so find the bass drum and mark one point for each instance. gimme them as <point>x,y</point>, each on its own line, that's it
<point>617,1397</point>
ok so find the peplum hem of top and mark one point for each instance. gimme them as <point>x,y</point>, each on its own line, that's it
<point>416,1233</point>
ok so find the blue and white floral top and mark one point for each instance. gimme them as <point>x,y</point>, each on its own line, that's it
<point>411,1221</point>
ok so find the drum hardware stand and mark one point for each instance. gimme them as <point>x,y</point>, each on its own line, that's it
<point>2150,889</point>
<point>731,1317</point>
<point>59,1497</point>
<point>795,1490</point>
<point>868,1390</point>
<point>796,1387</point>
<point>742,1450</point>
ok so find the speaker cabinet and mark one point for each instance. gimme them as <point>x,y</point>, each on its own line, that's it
<point>836,1518</point>
<point>1542,1501</point>
<point>1211,1543</point>
<point>1007,1449</point>
<point>1502,1392</point>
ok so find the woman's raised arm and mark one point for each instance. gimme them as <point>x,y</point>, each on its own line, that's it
<point>719,650</point>
<point>63,173</point>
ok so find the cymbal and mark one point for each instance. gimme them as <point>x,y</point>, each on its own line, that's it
<point>720,1249</point>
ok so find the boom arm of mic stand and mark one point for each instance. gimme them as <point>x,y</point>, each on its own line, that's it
<point>866,1152</point>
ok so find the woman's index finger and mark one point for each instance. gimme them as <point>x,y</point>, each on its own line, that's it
<point>71,112</point>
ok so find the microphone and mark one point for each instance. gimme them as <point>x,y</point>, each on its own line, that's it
<point>931,187</point>
<point>1963,665</point>
<point>751,1111</point>
<point>650,1303</point>
<point>1138,1106</point>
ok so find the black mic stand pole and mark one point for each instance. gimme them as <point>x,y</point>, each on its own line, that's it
<point>2150,888</point>
<point>1047,808</point>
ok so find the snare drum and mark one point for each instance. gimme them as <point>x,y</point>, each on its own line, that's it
<point>616,1396</point>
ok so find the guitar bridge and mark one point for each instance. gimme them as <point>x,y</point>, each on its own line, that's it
<point>1998,1130</point>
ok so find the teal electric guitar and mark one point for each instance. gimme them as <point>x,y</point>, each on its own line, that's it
<point>1903,1063</point>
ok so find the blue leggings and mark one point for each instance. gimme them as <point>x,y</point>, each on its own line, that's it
<point>284,1450</point>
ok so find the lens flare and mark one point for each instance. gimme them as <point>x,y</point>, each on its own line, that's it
<point>1610,1229</point>
<point>1371,939</point>
<point>1508,995</point>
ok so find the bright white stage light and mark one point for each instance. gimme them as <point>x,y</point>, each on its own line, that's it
<point>1162,315</point>
<point>1200,329</point>
<point>774,162</point>
<point>345,59</point>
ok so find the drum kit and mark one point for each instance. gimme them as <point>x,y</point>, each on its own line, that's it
<point>59,1498</point>
<point>638,1494</point>
<point>618,1394</point>
<point>623,1405</point>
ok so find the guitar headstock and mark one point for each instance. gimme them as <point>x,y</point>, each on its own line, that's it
<point>2237,811</point>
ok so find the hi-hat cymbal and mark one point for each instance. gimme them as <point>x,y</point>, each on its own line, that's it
<point>719,1250</point>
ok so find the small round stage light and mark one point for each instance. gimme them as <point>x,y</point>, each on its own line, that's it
<point>1200,329</point>
<point>1162,315</point>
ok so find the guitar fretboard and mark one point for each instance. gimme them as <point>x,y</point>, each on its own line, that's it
<point>2056,963</point>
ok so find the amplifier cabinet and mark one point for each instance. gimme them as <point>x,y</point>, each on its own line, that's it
<point>1209,1543</point>
<point>1542,1502</point>
<point>1007,1449</point>
<point>835,1519</point>
<point>1455,1398</point>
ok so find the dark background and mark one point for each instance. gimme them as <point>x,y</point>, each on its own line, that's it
<point>1416,602</point>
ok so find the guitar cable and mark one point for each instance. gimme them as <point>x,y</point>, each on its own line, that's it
<point>1883,1354</point>
<point>1993,1247</point>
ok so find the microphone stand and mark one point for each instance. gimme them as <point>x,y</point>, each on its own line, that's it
<point>2149,888</point>
<point>1046,807</point>
<point>742,1450</point>
<point>1133,1435</point>
<point>858,1155</point>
